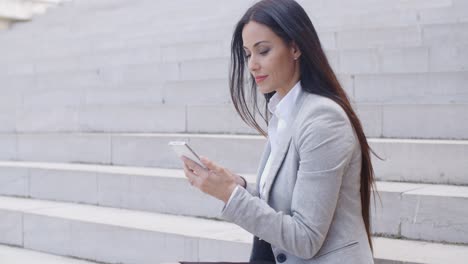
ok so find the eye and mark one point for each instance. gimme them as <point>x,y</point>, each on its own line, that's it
<point>264,52</point>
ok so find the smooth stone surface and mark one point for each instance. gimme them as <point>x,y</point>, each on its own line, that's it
<point>14,255</point>
<point>404,159</point>
<point>417,211</point>
<point>126,229</point>
<point>64,74</point>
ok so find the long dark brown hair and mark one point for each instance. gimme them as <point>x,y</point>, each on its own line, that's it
<point>290,22</point>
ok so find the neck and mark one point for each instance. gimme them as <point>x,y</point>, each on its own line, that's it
<point>295,78</point>
<point>283,92</point>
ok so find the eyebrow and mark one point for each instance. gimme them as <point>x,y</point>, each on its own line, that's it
<point>258,43</point>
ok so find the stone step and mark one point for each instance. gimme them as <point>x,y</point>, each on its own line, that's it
<point>414,121</point>
<point>419,161</point>
<point>417,252</point>
<point>427,161</point>
<point>117,236</point>
<point>356,62</point>
<point>135,188</point>
<point>421,212</point>
<point>399,88</point>
<point>16,255</point>
<point>450,14</point>
<point>120,16</point>
<point>407,88</point>
<point>102,54</point>
<point>359,14</point>
<point>191,46</point>
<point>407,32</point>
<point>333,10</point>
<point>158,11</point>
<point>384,46</point>
<point>126,16</point>
<point>135,84</point>
<point>410,36</point>
<point>434,121</point>
<point>111,235</point>
<point>415,211</point>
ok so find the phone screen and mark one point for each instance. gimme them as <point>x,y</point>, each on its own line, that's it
<point>181,148</point>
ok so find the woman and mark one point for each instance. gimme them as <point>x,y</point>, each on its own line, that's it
<point>311,201</point>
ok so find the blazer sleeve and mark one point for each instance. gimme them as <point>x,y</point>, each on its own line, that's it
<point>325,143</point>
<point>251,188</point>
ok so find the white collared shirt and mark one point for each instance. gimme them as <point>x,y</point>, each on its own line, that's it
<point>281,110</point>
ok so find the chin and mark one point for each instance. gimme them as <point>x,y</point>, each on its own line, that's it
<point>264,90</point>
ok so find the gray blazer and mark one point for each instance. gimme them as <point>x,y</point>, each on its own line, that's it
<point>312,210</point>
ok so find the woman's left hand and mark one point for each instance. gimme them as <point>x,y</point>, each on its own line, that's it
<point>214,180</point>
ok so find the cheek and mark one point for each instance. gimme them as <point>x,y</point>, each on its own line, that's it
<point>279,67</point>
<point>278,70</point>
<point>286,68</point>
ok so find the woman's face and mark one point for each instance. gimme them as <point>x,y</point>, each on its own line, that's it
<point>273,63</point>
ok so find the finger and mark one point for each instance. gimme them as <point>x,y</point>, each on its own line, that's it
<point>187,171</point>
<point>192,177</point>
<point>211,165</point>
<point>192,165</point>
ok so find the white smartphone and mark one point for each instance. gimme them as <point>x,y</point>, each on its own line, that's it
<point>181,148</point>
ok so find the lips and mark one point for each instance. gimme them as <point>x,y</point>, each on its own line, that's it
<point>260,78</point>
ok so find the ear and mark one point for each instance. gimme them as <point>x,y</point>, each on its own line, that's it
<point>295,51</point>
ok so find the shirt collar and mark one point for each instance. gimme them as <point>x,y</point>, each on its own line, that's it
<point>281,107</point>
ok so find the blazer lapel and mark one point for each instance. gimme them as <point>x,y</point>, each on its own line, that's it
<point>283,147</point>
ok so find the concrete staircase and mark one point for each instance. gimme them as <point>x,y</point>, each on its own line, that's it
<point>93,91</point>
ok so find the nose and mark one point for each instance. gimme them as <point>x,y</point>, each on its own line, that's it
<point>253,64</point>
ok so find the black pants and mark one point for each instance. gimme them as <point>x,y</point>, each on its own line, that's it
<point>261,252</point>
